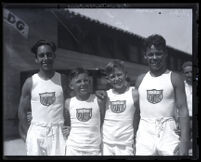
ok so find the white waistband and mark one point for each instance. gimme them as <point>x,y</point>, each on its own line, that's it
<point>157,119</point>
<point>43,124</point>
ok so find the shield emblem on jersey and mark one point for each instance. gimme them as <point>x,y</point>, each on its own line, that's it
<point>154,96</point>
<point>118,106</point>
<point>84,114</point>
<point>47,98</point>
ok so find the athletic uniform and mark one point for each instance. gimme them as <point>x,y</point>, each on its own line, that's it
<point>118,131</point>
<point>156,133</point>
<point>188,90</point>
<point>85,136</point>
<point>44,135</point>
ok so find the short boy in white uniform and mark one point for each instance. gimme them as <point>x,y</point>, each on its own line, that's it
<point>160,92</point>
<point>118,129</point>
<point>85,111</point>
<point>43,92</point>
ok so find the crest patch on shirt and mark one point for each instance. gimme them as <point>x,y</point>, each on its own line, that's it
<point>84,114</point>
<point>154,96</point>
<point>47,98</point>
<point>118,106</point>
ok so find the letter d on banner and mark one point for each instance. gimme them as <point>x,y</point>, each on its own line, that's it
<point>16,22</point>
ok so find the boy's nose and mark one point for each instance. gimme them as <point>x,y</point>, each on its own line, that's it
<point>45,57</point>
<point>116,77</point>
<point>82,82</point>
<point>154,56</point>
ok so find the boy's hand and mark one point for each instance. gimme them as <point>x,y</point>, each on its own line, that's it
<point>66,131</point>
<point>101,94</point>
<point>29,117</point>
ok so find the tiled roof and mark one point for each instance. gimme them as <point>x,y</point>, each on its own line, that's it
<point>103,24</point>
<point>110,27</point>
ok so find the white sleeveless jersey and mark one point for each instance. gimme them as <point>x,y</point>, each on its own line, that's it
<point>188,90</point>
<point>156,95</point>
<point>85,123</point>
<point>47,100</point>
<point>118,122</point>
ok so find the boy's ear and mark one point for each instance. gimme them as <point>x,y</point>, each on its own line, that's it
<point>107,79</point>
<point>36,60</point>
<point>71,86</point>
<point>145,57</point>
<point>126,74</point>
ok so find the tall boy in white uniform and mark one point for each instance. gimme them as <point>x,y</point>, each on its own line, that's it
<point>44,94</point>
<point>86,113</point>
<point>160,92</point>
<point>118,129</point>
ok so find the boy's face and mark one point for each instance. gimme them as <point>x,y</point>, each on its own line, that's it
<point>117,78</point>
<point>188,74</point>
<point>81,84</point>
<point>155,58</point>
<point>45,57</point>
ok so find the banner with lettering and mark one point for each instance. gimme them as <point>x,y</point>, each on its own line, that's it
<point>16,22</point>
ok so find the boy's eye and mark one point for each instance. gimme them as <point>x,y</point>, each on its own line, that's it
<point>116,75</point>
<point>41,55</point>
<point>111,76</point>
<point>78,81</point>
<point>48,54</point>
<point>156,54</point>
<point>119,74</point>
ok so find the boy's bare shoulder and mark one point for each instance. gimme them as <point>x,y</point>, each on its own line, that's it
<point>139,80</point>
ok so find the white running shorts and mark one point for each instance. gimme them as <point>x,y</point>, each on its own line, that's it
<point>43,139</point>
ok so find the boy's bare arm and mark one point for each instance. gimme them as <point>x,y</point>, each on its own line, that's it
<point>24,107</point>
<point>183,112</point>
<point>102,101</point>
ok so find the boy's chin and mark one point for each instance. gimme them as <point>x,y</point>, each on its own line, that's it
<point>117,87</point>
<point>84,93</point>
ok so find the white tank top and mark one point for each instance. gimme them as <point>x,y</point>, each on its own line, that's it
<point>47,100</point>
<point>85,123</point>
<point>118,122</point>
<point>188,90</point>
<point>156,95</point>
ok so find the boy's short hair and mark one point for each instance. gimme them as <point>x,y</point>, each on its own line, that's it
<point>109,68</point>
<point>42,42</point>
<point>75,72</point>
<point>187,63</point>
<point>157,40</point>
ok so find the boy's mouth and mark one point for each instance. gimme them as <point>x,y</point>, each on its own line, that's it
<point>83,89</point>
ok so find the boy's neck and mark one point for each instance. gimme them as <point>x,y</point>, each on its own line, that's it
<point>159,72</point>
<point>46,74</point>
<point>83,97</point>
<point>122,89</point>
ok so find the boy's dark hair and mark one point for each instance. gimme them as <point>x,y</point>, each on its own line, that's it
<point>42,42</point>
<point>157,40</point>
<point>109,68</point>
<point>75,72</point>
<point>187,63</point>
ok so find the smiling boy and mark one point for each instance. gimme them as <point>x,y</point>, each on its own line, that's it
<point>161,91</point>
<point>43,92</point>
<point>86,113</point>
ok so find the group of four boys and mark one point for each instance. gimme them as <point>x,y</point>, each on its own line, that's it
<point>124,120</point>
